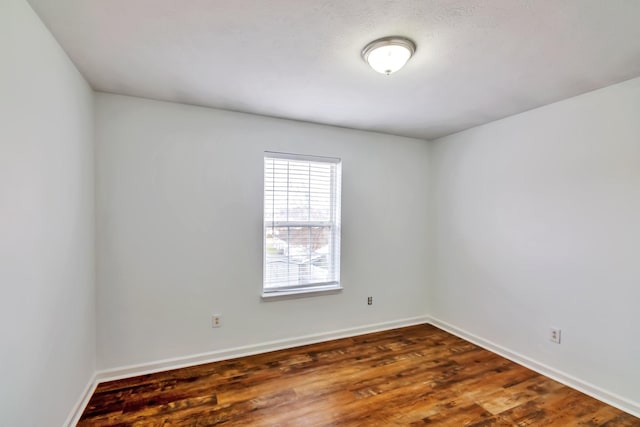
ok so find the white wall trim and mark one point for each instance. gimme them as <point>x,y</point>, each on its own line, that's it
<point>596,392</point>
<point>232,353</point>
<point>81,404</point>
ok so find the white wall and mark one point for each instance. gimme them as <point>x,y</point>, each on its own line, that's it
<point>537,224</point>
<point>47,308</point>
<point>180,226</point>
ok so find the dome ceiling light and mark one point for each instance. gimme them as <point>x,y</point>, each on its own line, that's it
<point>388,54</point>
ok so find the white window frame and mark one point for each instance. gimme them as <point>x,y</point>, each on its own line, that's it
<point>333,223</point>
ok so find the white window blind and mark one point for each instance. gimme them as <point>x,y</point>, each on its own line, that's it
<point>301,223</point>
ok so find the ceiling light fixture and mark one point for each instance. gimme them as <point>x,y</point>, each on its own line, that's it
<point>388,54</point>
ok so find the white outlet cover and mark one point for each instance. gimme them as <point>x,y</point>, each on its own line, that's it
<point>216,320</point>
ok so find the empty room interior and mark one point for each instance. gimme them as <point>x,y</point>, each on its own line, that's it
<point>320,212</point>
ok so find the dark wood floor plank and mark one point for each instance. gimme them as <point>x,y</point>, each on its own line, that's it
<point>418,375</point>
<point>506,398</point>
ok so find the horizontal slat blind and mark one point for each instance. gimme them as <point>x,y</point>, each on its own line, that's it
<point>301,222</point>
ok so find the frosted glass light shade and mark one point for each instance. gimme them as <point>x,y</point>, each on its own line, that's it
<point>389,54</point>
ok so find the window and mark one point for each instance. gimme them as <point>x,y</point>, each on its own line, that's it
<point>301,224</point>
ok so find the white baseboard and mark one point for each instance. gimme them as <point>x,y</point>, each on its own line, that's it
<point>82,402</point>
<point>596,392</point>
<point>232,353</point>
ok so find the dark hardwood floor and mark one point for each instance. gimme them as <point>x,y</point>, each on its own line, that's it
<point>409,376</point>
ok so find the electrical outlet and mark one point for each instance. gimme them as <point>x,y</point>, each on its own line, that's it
<point>370,301</point>
<point>216,320</point>
<point>554,335</point>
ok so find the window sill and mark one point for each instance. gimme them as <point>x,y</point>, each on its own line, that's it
<point>300,293</point>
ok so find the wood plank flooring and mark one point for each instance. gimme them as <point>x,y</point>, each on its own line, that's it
<point>410,376</point>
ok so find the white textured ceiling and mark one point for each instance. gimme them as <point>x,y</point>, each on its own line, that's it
<point>477,60</point>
